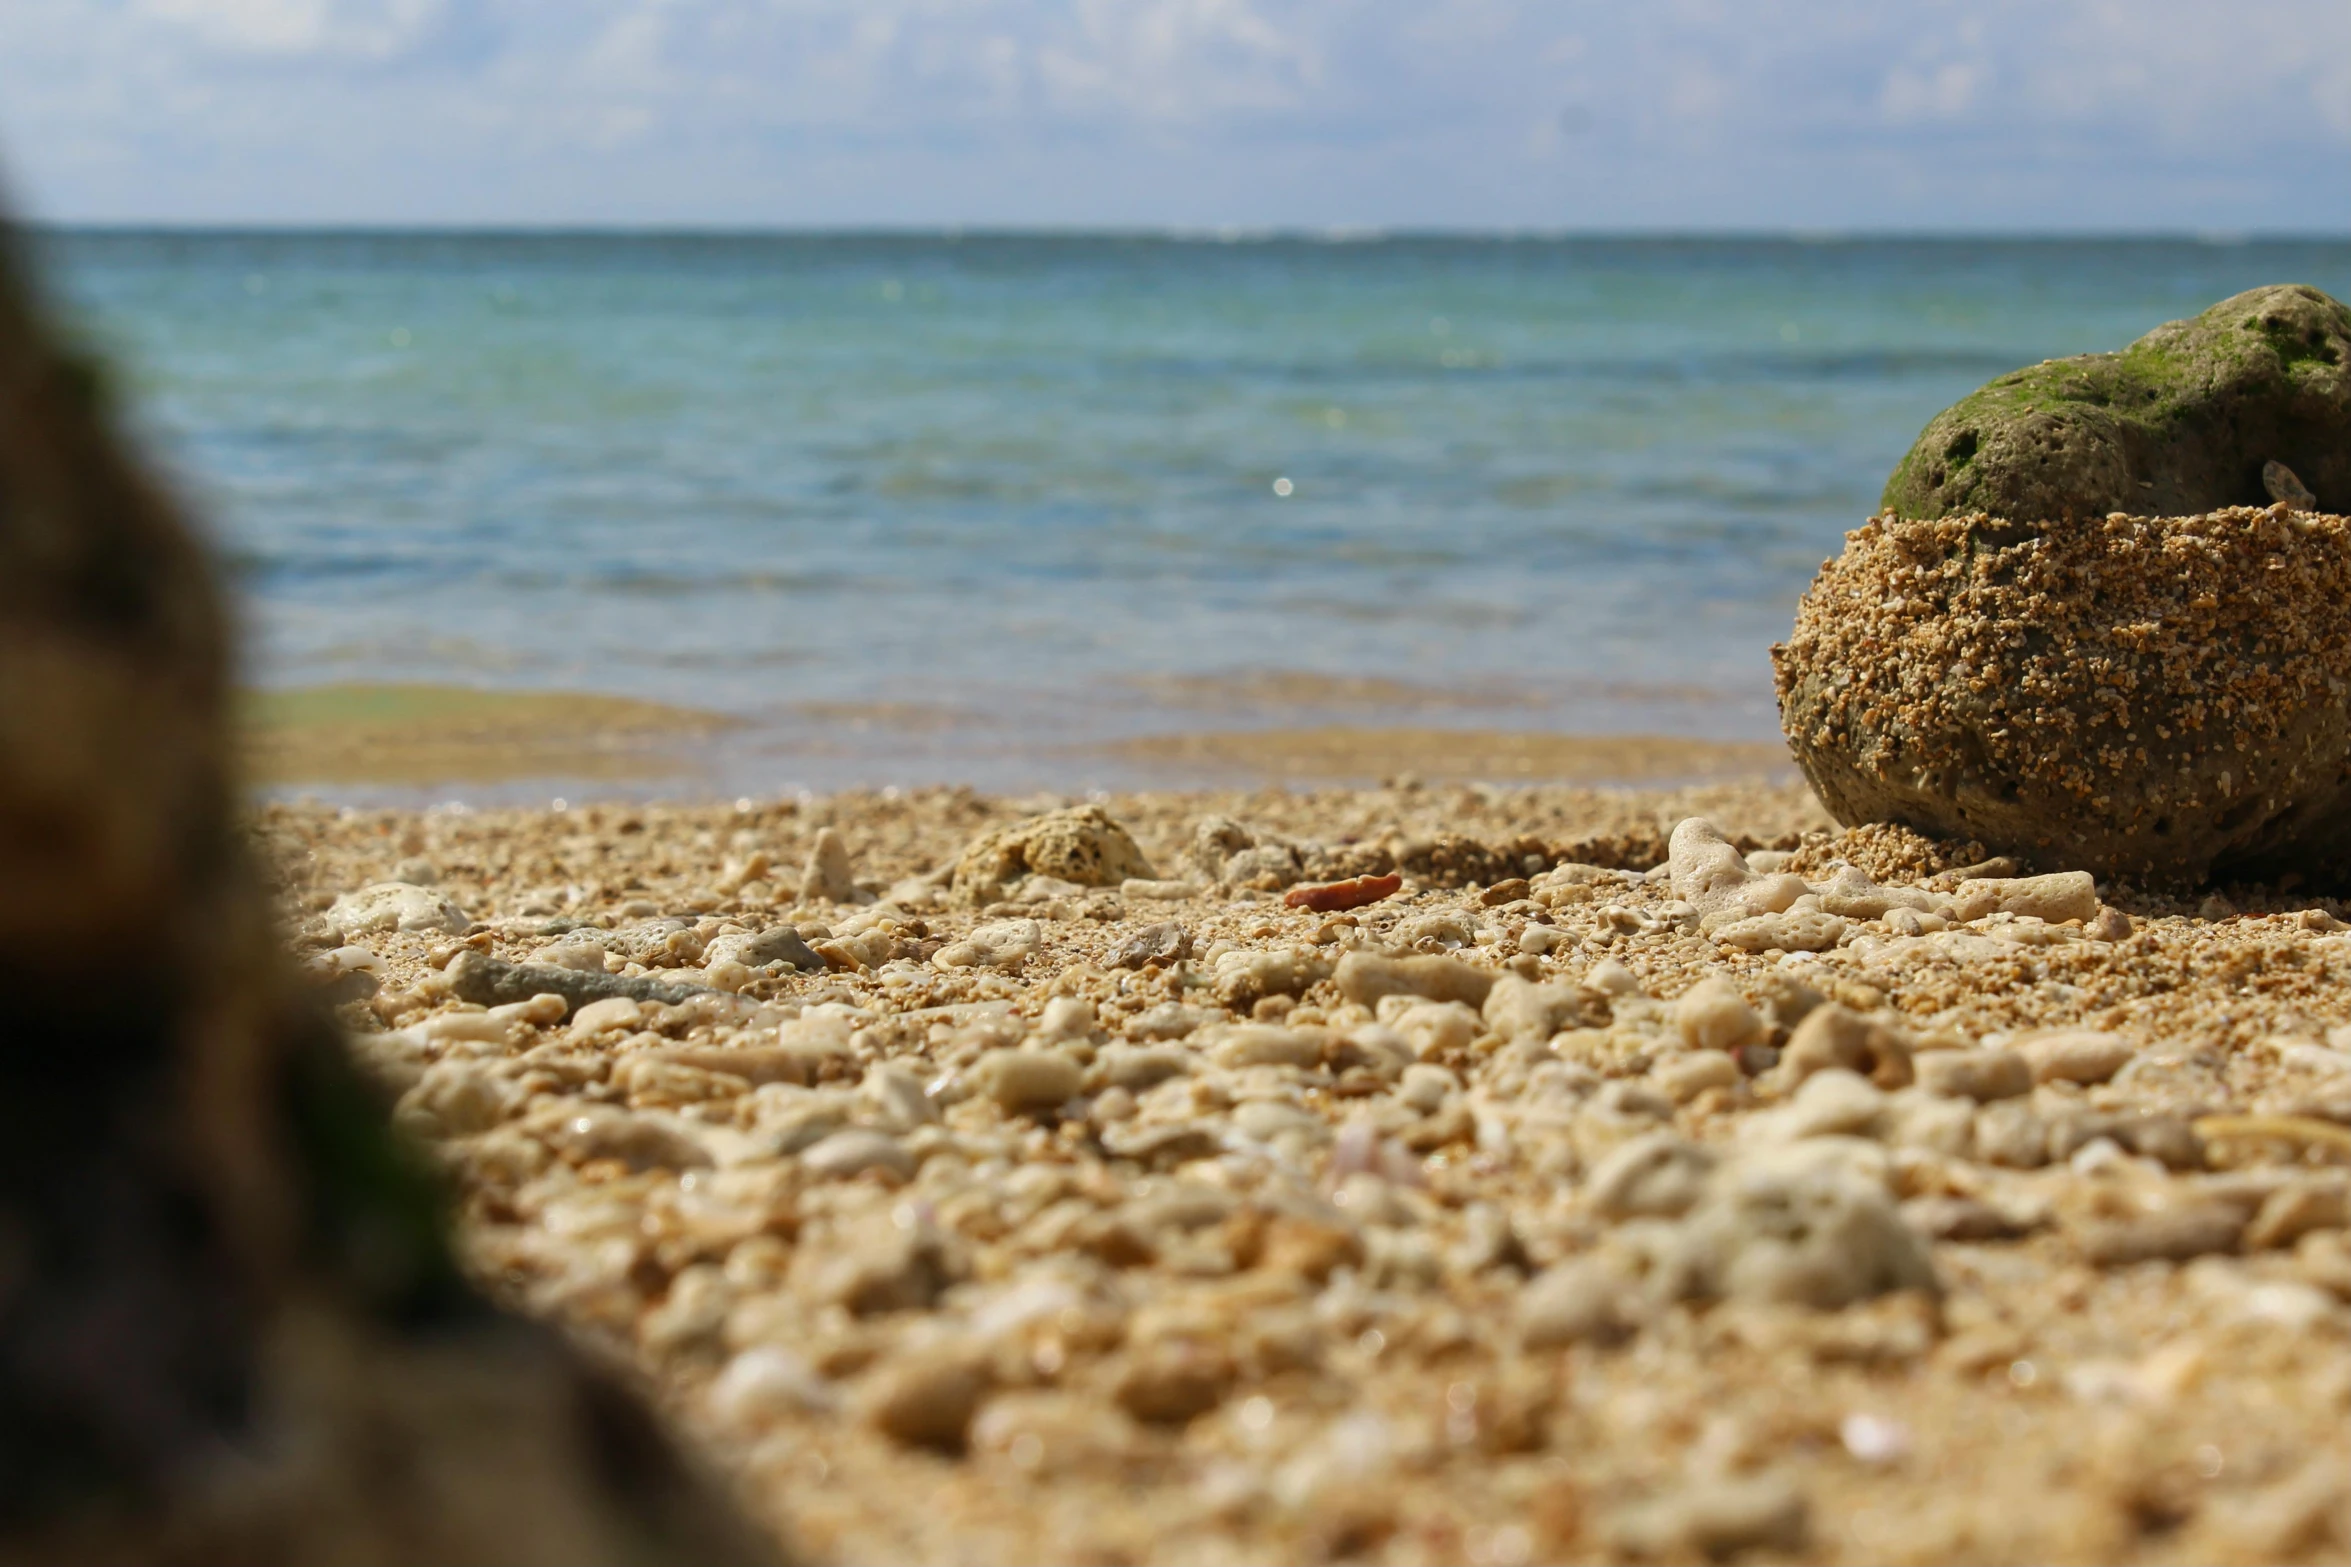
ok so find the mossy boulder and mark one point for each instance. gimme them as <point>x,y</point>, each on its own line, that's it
<point>2155,698</point>
<point>2180,423</point>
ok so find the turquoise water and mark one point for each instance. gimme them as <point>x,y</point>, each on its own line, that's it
<point>933,506</point>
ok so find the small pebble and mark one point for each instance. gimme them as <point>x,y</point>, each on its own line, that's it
<point>1835,1037</point>
<point>1578,1300</point>
<point>2012,1133</point>
<point>1265,1044</point>
<point>606,1016</point>
<point>767,1383</point>
<point>2174,1234</point>
<point>1658,1175</point>
<point>1981,1075</point>
<point>1612,978</point>
<point>1810,1235</point>
<point>1834,1103</point>
<point>854,1151</point>
<point>1024,1081</point>
<point>828,874</point>
<point>1797,930</point>
<point>1702,866</point>
<point>1365,978</point>
<point>1158,891</point>
<point>1333,897</point>
<point>2075,1055</point>
<point>1716,1519</point>
<point>1165,943</point>
<point>2292,1212</point>
<point>898,1095</point>
<point>465,1025</point>
<point>1174,1382</point>
<point>1959,1219</point>
<point>1684,1078</point>
<point>2056,898</point>
<point>1537,940</point>
<point>926,1397</point>
<point>395,906</point>
<point>1066,1018</point>
<point>1713,1015</point>
<point>778,944</point>
<point>541,1011</point>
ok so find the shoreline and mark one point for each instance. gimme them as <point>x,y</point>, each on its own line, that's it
<point>420,734</point>
<point>397,739</point>
<point>1347,754</point>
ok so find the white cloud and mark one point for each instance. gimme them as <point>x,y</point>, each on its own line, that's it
<point>628,51</point>
<point>1173,60</point>
<point>2330,95</point>
<point>1509,112</point>
<point>1945,92</point>
<point>297,29</point>
<point>1697,91</point>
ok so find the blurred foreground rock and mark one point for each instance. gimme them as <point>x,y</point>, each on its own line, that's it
<point>230,1327</point>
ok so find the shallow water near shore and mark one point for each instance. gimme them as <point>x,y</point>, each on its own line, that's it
<point>412,743</point>
<point>1030,511</point>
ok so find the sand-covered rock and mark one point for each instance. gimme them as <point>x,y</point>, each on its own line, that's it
<point>394,905</point>
<point>1082,845</point>
<point>778,944</point>
<point>2153,697</point>
<point>2187,419</point>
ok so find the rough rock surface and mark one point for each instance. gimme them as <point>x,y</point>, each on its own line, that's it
<point>2160,698</point>
<point>2184,420</point>
<point>394,905</point>
<point>1082,845</point>
<point>780,944</point>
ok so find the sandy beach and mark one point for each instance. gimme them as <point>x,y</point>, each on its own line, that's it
<point>1197,785</point>
<point>1894,1209</point>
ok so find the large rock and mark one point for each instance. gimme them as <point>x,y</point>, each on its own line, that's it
<point>2159,698</point>
<point>2182,421</point>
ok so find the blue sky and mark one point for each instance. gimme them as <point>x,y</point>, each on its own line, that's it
<point>1807,114</point>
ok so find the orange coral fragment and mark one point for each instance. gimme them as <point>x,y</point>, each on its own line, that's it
<point>1331,897</point>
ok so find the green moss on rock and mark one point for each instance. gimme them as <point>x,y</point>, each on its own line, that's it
<point>2178,424</point>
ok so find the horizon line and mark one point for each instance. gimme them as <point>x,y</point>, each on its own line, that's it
<point>1333,234</point>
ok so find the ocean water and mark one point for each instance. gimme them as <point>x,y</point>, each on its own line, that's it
<point>976,506</point>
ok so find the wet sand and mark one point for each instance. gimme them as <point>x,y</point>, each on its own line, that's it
<point>1364,755</point>
<point>1133,1222</point>
<point>392,735</point>
<point>388,737</point>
